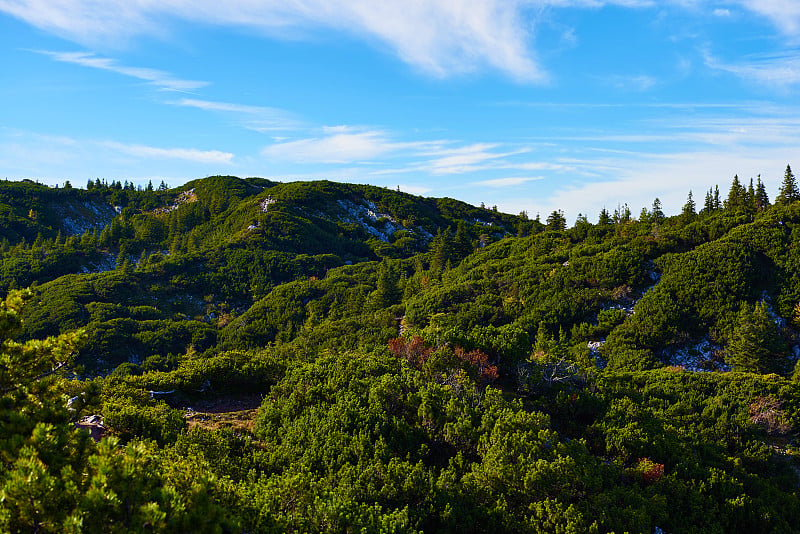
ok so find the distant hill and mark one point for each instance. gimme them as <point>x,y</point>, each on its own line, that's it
<point>386,362</point>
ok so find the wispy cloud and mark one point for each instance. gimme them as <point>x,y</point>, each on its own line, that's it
<point>467,158</point>
<point>259,118</point>
<point>188,154</point>
<point>344,147</point>
<point>25,154</point>
<point>440,38</point>
<point>637,82</point>
<point>777,70</point>
<point>508,182</point>
<point>784,14</point>
<point>162,80</point>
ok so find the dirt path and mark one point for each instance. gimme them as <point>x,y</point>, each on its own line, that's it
<point>235,412</point>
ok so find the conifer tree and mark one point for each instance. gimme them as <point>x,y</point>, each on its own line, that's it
<point>442,247</point>
<point>708,205</point>
<point>556,221</point>
<point>761,198</point>
<point>756,344</point>
<point>736,196</point>
<point>388,291</point>
<point>462,245</point>
<point>788,191</point>
<point>689,208</point>
<point>657,215</point>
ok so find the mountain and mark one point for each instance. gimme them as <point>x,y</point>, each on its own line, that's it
<point>418,364</point>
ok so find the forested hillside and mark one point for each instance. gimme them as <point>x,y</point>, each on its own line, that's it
<point>326,357</point>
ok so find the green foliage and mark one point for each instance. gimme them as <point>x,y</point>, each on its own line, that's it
<point>55,479</point>
<point>293,292</point>
<point>756,344</point>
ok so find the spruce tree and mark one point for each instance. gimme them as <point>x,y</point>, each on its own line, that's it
<point>657,215</point>
<point>788,191</point>
<point>388,291</point>
<point>462,244</point>
<point>736,196</point>
<point>708,205</point>
<point>689,208</point>
<point>761,198</point>
<point>756,344</point>
<point>556,221</point>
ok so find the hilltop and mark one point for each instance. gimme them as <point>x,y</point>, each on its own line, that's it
<point>501,373</point>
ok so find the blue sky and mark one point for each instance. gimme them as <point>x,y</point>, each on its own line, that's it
<point>528,105</point>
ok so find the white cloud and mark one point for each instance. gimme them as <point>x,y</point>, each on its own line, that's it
<point>225,106</point>
<point>785,14</point>
<point>640,82</point>
<point>162,80</point>
<point>336,148</point>
<point>25,154</point>
<point>188,154</point>
<point>465,159</point>
<point>441,38</point>
<point>778,70</point>
<point>508,182</point>
<point>258,118</point>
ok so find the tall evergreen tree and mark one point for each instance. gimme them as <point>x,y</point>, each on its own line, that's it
<point>761,199</point>
<point>462,244</point>
<point>708,205</point>
<point>388,291</point>
<point>756,344</point>
<point>556,221</point>
<point>657,215</point>
<point>442,247</point>
<point>689,208</point>
<point>736,200</point>
<point>788,192</point>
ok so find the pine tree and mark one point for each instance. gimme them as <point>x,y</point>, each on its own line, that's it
<point>462,244</point>
<point>788,191</point>
<point>736,196</point>
<point>556,221</point>
<point>442,247</point>
<point>689,208</point>
<point>657,215</point>
<point>708,205</point>
<point>761,199</point>
<point>388,291</point>
<point>605,218</point>
<point>756,344</point>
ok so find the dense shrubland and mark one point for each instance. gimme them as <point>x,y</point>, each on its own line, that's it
<point>422,364</point>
